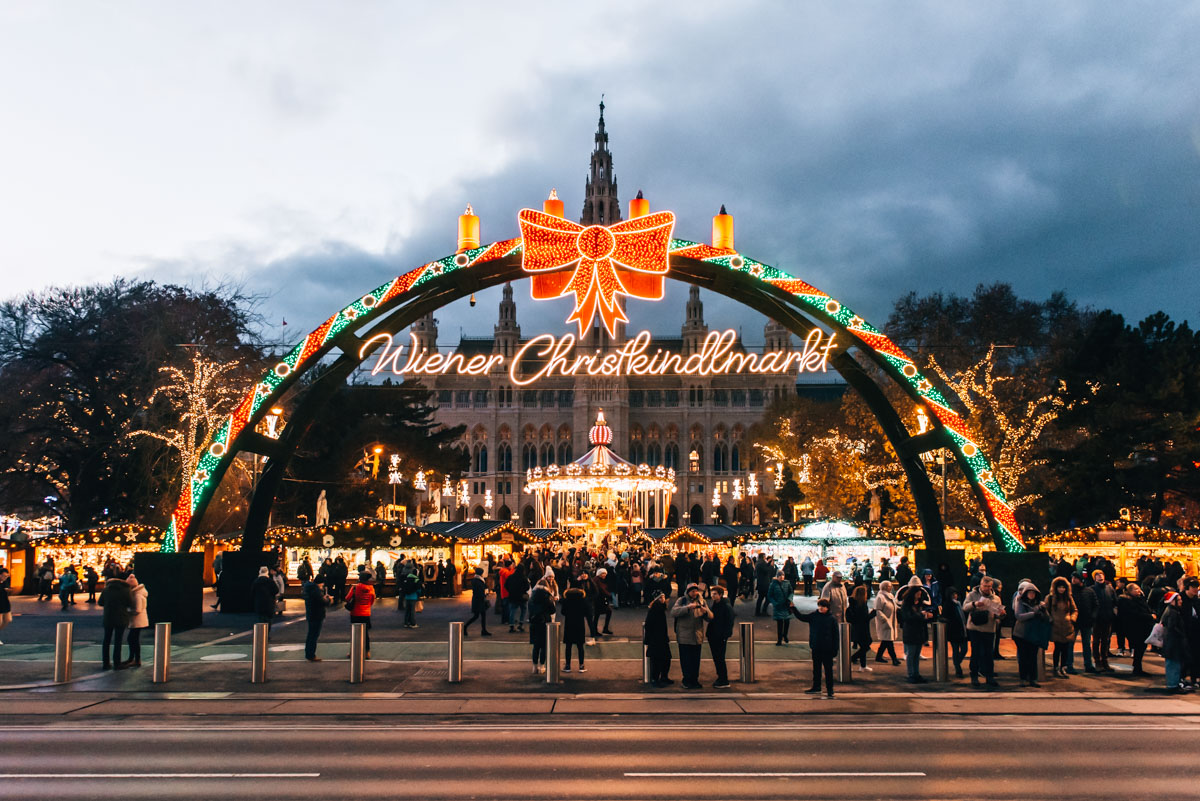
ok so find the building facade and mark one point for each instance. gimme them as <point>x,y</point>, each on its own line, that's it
<point>697,425</point>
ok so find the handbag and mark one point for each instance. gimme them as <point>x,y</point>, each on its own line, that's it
<point>979,617</point>
<point>420,607</point>
<point>1156,636</point>
<point>350,598</point>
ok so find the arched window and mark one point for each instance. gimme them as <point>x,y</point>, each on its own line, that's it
<point>735,459</point>
<point>529,456</point>
<point>636,453</point>
<point>481,462</point>
<point>696,516</point>
<point>547,454</point>
<point>504,513</point>
<point>722,515</point>
<point>654,454</point>
<point>719,460</point>
<point>527,516</point>
<point>671,456</point>
<point>672,516</point>
<point>564,453</point>
<point>504,458</point>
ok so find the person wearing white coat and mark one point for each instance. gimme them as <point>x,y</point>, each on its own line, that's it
<point>885,622</point>
<point>140,620</point>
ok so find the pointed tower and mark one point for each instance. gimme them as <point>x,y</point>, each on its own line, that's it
<point>507,332</point>
<point>600,203</point>
<point>694,328</point>
<point>425,329</point>
<point>776,337</point>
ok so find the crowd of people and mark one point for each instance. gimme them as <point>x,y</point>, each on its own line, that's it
<point>694,596</point>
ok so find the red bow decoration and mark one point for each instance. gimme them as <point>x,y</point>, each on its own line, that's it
<point>629,257</point>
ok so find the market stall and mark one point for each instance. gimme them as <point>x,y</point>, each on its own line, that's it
<point>1124,542</point>
<point>474,540</point>
<point>837,542</point>
<point>363,541</point>
<point>96,546</point>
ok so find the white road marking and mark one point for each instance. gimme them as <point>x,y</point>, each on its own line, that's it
<point>778,774</point>
<point>159,775</point>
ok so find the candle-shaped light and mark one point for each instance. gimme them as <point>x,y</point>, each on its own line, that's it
<point>722,236</point>
<point>468,230</point>
<point>639,206</point>
<point>552,205</point>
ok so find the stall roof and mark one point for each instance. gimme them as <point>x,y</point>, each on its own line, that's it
<point>1121,530</point>
<point>479,530</point>
<point>700,535</point>
<point>116,534</point>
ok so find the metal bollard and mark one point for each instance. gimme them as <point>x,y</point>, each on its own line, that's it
<point>358,652</point>
<point>645,658</point>
<point>843,655</point>
<point>554,652</point>
<point>454,658</point>
<point>746,651</point>
<point>162,653</point>
<point>941,660</point>
<point>1041,664</point>
<point>62,651</point>
<point>258,655</point>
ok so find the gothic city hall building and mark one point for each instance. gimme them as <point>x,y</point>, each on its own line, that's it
<point>693,422</point>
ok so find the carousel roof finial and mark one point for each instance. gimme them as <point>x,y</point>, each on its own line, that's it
<point>600,434</point>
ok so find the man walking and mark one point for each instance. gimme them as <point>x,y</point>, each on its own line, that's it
<point>479,604</point>
<point>313,593</point>
<point>690,612</point>
<point>719,632</point>
<point>763,573</point>
<point>984,610</point>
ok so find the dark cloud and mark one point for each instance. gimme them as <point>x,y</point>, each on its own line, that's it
<point>871,153</point>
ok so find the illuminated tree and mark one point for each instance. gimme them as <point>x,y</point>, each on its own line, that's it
<point>1009,424</point>
<point>192,401</point>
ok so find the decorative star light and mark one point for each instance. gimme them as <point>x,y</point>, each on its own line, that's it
<point>629,258</point>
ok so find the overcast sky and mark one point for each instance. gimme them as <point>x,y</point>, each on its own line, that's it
<point>311,151</point>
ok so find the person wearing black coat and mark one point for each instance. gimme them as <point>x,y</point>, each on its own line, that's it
<point>859,618</point>
<point>730,575</point>
<point>822,643</point>
<point>718,634</point>
<point>576,612</point>
<point>956,627</point>
<point>1106,602</point>
<point>1136,621</point>
<point>657,640</point>
<point>541,608</point>
<point>117,600</point>
<point>1085,603</point>
<point>915,615</point>
<point>264,592</point>
<point>315,599</point>
<point>763,573</point>
<point>479,604</point>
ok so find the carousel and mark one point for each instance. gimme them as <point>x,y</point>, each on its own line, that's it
<point>600,494</point>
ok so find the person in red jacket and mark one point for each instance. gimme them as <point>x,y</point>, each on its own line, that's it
<point>359,599</point>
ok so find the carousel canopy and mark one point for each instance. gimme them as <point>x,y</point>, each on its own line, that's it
<point>600,469</point>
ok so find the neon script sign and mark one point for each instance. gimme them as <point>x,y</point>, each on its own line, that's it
<point>549,356</point>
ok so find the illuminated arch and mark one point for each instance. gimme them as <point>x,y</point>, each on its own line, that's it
<point>396,304</point>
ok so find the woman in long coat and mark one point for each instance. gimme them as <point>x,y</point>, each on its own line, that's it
<point>779,593</point>
<point>885,622</point>
<point>657,640</point>
<point>576,610</point>
<point>1063,614</point>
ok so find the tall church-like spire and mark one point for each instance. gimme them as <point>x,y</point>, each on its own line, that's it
<point>600,203</point>
<point>507,332</point>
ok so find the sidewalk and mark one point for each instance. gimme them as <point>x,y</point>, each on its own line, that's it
<point>215,659</point>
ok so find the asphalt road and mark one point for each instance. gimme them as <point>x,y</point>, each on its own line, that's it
<point>1018,758</point>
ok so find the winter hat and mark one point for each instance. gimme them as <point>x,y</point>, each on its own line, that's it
<point>264,571</point>
<point>1170,597</point>
<point>602,572</point>
<point>692,586</point>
